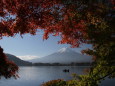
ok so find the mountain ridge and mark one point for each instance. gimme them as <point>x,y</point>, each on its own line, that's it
<point>64,55</point>
<point>17,61</point>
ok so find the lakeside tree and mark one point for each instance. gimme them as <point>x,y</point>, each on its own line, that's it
<point>75,21</point>
<point>8,69</point>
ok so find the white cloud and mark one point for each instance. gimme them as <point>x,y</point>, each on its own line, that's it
<point>28,57</point>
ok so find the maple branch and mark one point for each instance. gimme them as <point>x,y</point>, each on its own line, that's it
<point>106,75</point>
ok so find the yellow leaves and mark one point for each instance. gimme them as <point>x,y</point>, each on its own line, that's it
<point>95,20</point>
<point>59,82</point>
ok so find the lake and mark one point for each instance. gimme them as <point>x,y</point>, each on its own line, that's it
<point>34,76</point>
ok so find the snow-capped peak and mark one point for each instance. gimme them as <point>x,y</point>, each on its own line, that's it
<point>65,49</point>
<point>64,55</point>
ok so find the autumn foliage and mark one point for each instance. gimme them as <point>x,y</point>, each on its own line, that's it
<point>58,82</point>
<point>75,21</point>
<point>8,69</point>
<point>70,19</point>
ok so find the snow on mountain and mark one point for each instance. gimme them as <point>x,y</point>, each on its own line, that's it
<point>65,50</point>
<point>64,55</point>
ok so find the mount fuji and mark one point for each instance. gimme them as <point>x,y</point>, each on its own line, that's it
<point>64,55</point>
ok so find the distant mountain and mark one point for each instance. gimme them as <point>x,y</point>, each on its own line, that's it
<point>18,61</point>
<point>64,55</point>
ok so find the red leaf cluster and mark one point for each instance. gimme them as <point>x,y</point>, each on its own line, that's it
<point>7,68</point>
<point>75,21</point>
<point>26,16</point>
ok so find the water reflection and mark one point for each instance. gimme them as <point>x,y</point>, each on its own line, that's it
<point>34,76</point>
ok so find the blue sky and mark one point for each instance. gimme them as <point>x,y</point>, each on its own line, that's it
<point>30,47</point>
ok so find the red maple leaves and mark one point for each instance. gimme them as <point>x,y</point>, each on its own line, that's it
<point>7,68</point>
<point>53,16</point>
<point>75,21</point>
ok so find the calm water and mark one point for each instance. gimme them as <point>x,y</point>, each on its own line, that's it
<point>34,76</point>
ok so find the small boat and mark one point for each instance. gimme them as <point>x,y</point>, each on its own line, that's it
<point>66,70</point>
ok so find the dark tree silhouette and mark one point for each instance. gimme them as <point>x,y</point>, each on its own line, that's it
<point>8,69</point>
